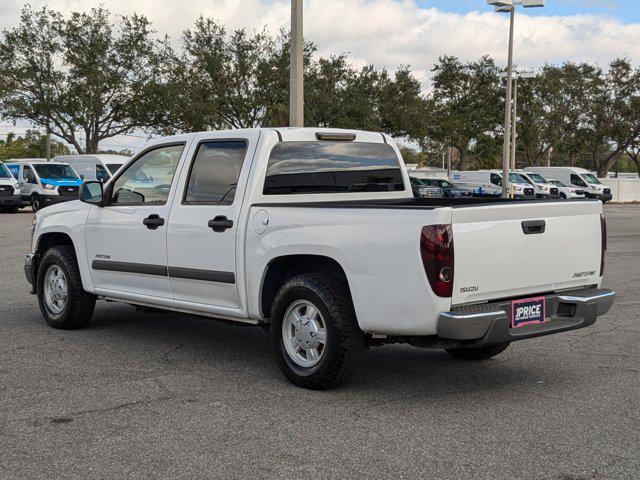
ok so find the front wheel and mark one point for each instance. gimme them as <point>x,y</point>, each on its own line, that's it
<point>63,302</point>
<point>36,203</point>
<point>563,196</point>
<point>314,331</point>
<point>478,353</point>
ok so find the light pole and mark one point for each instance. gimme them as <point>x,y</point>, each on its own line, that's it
<point>296,81</point>
<point>514,113</point>
<point>509,6</point>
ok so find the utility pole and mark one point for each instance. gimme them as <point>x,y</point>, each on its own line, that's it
<point>514,133</point>
<point>449,161</point>
<point>48,142</point>
<point>506,190</point>
<point>296,96</point>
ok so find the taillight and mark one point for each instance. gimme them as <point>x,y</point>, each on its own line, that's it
<point>436,250</point>
<point>603,243</point>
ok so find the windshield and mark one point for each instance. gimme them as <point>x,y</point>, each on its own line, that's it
<point>558,183</point>
<point>113,167</point>
<point>516,178</point>
<point>537,178</point>
<point>591,178</point>
<point>55,171</point>
<point>4,171</point>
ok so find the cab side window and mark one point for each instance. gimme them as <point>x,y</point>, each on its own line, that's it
<point>28,175</point>
<point>101,173</point>
<point>215,171</point>
<point>495,179</point>
<point>147,181</point>
<point>576,180</point>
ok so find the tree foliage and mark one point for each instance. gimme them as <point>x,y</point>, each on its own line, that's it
<point>30,145</point>
<point>81,76</point>
<point>89,78</point>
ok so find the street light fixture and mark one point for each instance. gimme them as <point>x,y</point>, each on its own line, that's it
<point>509,6</point>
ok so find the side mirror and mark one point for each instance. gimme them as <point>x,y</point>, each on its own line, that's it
<point>81,177</point>
<point>92,193</point>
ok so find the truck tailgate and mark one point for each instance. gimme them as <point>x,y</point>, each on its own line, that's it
<point>495,258</point>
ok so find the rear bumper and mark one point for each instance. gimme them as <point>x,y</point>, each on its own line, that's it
<point>11,201</point>
<point>488,324</point>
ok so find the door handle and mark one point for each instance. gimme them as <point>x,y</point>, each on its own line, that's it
<point>220,223</point>
<point>534,227</point>
<point>153,221</point>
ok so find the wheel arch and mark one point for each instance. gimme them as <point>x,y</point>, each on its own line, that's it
<point>49,239</point>
<point>282,268</point>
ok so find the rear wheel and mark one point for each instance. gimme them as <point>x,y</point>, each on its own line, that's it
<point>314,332</point>
<point>63,302</point>
<point>478,353</point>
<point>36,203</point>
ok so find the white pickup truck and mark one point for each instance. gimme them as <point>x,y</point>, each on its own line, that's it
<point>315,235</point>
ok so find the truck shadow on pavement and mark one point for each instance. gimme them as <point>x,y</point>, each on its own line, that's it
<point>180,343</point>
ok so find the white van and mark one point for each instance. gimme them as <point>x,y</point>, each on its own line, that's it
<point>100,167</point>
<point>543,187</point>
<point>489,182</point>
<point>44,183</point>
<point>579,178</point>
<point>10,198</point>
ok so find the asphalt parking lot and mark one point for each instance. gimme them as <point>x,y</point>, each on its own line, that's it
<point>168,396</point>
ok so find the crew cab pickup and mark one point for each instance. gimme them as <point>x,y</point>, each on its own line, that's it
<point>315,235</point>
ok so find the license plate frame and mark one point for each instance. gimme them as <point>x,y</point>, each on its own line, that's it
<point>528,311</point>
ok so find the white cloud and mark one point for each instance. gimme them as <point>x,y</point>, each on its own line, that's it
<point>390,32</point>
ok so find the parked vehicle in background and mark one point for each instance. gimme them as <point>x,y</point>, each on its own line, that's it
<point>45,183</point>
<point>100,167</point>
<point>565,191</point>
<point>10,195</point>
<point>577,178</point>
<point>422,189</point>
<point>543,188</point>
<point>491,182</point>
<point>315,235</point>
<point>448,188</point>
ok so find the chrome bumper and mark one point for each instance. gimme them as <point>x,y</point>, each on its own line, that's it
<point>490,323</point>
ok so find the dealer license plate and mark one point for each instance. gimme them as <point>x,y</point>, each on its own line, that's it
<point>528,311</point>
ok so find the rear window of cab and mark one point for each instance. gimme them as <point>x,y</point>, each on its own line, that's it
<point>332,167</point>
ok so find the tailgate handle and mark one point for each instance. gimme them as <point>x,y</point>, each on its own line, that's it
<point>533,227</point>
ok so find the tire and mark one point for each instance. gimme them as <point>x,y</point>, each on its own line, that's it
<point>478,353</point>
<point>343,340</point>
<point>36,203</point>
<point>77,308</point>
<point>563,196</point>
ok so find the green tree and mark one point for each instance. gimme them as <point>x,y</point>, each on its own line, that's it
<point>82,74</point>
<point>465,105</point>
<point>31,145</point>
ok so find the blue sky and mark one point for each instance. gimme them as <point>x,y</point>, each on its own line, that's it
<point>627,11</point>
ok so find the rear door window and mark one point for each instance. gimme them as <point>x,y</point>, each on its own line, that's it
<point>332,167</point>
<point>215,172</point>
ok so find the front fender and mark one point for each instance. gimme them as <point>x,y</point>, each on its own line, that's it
<point>70,222</point>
